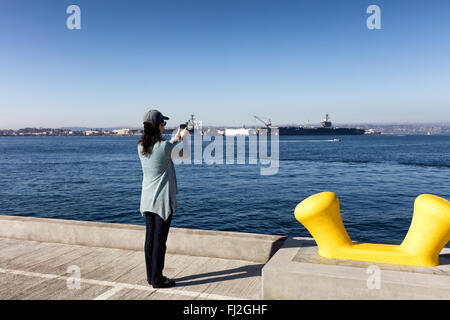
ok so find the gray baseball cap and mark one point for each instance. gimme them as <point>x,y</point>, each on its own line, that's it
<point>154,117</point>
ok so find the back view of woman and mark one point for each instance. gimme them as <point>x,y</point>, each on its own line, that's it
<point>158,197</point>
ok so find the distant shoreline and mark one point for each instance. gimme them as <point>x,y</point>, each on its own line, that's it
<point>382,134</point>
<point>384,129</point>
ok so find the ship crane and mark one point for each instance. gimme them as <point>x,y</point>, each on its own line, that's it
<point>267,124</point>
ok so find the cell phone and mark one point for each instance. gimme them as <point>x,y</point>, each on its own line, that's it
<point>183,125</point>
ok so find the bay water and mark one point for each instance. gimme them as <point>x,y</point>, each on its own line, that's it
<point>98,178</point>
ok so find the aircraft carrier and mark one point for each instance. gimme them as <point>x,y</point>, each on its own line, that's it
<point>326,129</point>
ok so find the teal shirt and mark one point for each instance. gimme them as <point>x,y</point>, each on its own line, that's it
<point>159,183</point>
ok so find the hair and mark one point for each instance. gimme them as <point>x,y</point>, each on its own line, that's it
<point>150,137</point>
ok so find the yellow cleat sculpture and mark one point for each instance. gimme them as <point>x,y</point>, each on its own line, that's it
<point>428,234</point>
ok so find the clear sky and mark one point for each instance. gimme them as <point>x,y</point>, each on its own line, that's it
<point>224,61</point>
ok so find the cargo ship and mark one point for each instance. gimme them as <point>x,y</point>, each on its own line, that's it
<point>326,129</point>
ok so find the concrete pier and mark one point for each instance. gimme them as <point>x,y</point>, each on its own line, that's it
<point>65,259</point>
<point>40,258</point>
<point>296,271</point>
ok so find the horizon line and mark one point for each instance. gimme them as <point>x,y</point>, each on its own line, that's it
<point>240,126</point>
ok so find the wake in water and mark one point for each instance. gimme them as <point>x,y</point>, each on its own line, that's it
<point>323,140</point>
<point>367,161</point>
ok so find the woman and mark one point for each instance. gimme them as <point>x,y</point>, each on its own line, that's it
<point>159,189</point>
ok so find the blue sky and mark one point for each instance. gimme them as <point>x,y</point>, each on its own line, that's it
<point>290,61</point>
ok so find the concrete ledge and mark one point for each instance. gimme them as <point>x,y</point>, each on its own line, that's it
<point>207,243</point>
<point>296,271</point>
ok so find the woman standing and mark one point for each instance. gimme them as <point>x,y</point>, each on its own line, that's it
<point>159,189</point>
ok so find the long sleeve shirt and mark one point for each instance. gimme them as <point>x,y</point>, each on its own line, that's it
<point>159,183</point>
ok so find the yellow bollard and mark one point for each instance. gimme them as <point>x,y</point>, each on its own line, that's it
<point>428,234</point>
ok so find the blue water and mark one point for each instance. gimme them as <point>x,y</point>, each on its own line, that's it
<point>376,179</point>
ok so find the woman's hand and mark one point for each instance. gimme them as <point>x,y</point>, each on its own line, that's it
<point>177,135</point>
<point>184,133</point>
<point>181,134</point>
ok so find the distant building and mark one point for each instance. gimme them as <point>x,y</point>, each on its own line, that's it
<point>91,132</point>
<point>122,132</point>
<point>236,132</point>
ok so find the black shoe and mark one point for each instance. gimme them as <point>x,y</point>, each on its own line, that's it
<point>167,283</point>
<point>150,282</point>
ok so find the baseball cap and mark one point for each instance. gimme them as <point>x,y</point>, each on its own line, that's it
<point>154,117</point>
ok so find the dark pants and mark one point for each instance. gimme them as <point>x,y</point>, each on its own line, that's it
<point>156,234</point>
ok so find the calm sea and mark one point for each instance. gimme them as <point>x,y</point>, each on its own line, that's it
<point>376,179</point>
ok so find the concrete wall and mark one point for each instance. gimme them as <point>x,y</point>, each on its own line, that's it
<point>219,244</point>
